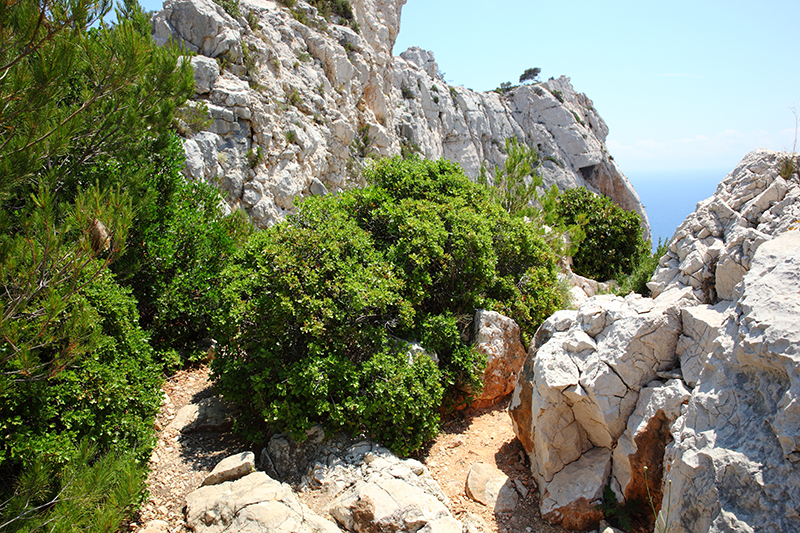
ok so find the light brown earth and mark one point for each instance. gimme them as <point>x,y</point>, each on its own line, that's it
<point>180,463</point>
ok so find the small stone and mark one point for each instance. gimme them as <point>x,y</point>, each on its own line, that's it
<point>491,487</point>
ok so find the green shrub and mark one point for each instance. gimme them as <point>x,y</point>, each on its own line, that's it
<point>179,244</point>
<point>109,394</point>
<point>317,304</point>
<point>231,7</point>
<point>642,271</point>
<point>613,240</point>
<point>401,399</point>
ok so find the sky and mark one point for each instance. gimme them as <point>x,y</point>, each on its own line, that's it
<point>683,86</point>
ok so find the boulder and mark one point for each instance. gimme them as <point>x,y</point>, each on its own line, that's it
<point>374,490</point>
<point>498,337</point>
<point>387,504</point>
<point>735,461</point>
<point>254,503</point>
<point>232,468</point>
<point>488,485</point>
<point>581,384</point>
<point>209,414</point>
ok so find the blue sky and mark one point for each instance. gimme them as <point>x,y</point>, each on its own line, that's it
<point>683,86</point>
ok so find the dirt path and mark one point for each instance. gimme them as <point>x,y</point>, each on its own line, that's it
<point>180,463</point>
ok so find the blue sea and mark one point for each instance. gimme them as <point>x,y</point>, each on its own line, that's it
<point>669,196</point>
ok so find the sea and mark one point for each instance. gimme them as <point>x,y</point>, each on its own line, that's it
<point>669,196</point>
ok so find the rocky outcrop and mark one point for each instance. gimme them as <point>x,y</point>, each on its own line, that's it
<point>689,398</point>
<point>363,485</point>
<point>296,108</point>
<point>735,460</point>
<point>713,248</point>
<point>498,337</point>
<point>359,484</point>
<point>580,385</point>
<point>252,503</point>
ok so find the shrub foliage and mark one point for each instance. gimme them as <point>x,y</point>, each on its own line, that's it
<point>326,304</point>
<point>613,242</point>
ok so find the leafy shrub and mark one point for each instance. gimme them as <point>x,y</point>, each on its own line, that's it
<point>613,242</point>
<point>110,394</point>
<point>317,304</point>
<point>401,398</point>
<point>180,242</point>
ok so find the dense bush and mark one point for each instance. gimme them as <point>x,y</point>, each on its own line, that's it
<point>319,304</point>
<point>613,242</point>
<point>179,242</point>
<point>110,394</point>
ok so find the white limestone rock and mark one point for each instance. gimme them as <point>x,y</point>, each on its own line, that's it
<point>735,463</point>
<point>701,327</point>
<point>232,468</point>
<point>208,414</point>
<point>644,441</point>
<point>488,485</point>
<point>206,72</point>
<point>583,376</point>
<point>712,249</point>
<point>572,498</point>
<point>254,503</point>
<point>386,504</point>
<point>302,94</point>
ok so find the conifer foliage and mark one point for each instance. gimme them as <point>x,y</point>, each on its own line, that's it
<point>84,135</point>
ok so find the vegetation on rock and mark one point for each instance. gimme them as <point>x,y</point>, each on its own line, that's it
<point>530,74</point>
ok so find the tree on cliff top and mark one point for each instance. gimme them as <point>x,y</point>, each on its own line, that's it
<point>530,75</point>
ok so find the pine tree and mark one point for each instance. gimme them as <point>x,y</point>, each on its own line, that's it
<point>85,108</point>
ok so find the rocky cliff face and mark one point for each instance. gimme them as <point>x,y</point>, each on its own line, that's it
<point>299,107</point>
<point>699,384</point>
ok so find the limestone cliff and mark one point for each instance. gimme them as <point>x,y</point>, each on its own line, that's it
<point>699,384</point>
<point>299,107</point>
